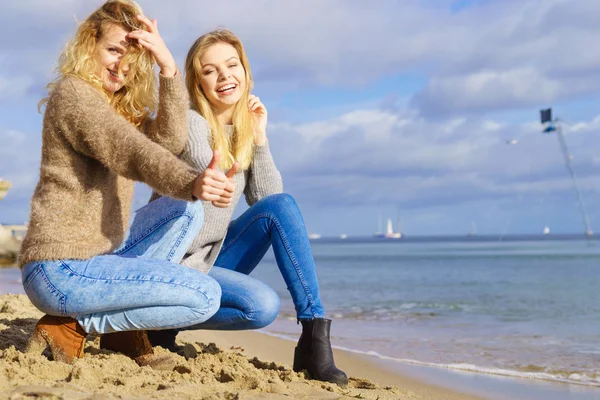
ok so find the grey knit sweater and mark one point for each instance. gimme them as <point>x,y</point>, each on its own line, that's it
<point>261,179</point>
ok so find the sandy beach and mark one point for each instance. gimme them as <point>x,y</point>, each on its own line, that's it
<point>220,365</point>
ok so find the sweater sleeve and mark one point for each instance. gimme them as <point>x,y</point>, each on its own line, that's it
<point>93,128</point>
<point>264,178</point>
<point>169,128</point>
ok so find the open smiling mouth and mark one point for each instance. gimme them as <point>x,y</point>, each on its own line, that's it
<point>227,88</point>
<point>114,74</point>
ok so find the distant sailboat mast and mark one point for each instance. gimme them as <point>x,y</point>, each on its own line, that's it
<point>473,231</point>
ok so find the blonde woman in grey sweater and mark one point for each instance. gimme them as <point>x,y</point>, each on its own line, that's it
<point>227,131</point>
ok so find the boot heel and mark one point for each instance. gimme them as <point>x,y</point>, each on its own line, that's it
<point>299,364</point>
<point>36,343</point>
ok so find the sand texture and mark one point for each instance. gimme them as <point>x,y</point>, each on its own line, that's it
<point>210,372</point>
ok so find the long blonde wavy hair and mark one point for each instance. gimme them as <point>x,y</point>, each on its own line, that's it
<point>238,147</point>
<point>136,100</point>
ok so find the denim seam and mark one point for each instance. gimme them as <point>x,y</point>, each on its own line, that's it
<point>154,227</point>
<point>31,277</point>
<point>174,326</point>
<point>288,252</point>
<point>62,299</point>
<point>184,232</point>
<point>134,280</point>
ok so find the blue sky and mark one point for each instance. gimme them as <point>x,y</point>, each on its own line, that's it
<point>398,108</point>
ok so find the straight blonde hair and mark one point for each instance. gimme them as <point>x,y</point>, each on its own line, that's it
<point>136,100</point>
<point>240,146</point>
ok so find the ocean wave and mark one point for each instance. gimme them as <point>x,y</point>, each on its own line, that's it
<point>528,372</point>
<point>394,312</point>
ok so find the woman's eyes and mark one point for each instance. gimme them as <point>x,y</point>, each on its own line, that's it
<point>210,71</point>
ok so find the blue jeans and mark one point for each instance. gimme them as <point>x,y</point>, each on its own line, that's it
<point>246,302</point>
<point>140,286</point>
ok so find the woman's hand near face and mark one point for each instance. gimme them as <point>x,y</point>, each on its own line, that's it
<point>259,113</point>
<point>215,186</point>
<point>152,41</point>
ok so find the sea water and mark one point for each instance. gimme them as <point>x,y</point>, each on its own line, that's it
<point>527,308</point>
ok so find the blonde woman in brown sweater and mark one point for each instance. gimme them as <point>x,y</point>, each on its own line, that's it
<point>81,265</point>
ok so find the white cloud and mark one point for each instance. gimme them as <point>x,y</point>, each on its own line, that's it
<point>420,162</point>
<point>492,56</point>
<point>488,90</point>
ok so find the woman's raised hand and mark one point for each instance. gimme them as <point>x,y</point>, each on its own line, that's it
<point>215,186</point>
<point>152,41</point>
<point>259,113</point>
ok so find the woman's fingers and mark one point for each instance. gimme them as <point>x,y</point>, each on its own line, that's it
<point>226,195</point>
<point>233,170</point>
<point>209,197</point>
<point>256,106</point>
<point>151,25</point>
<point>146,44</point>
<point>253,102</point>
<point>221,204</point>
<point>212,190</point>
<point>144,38</point>
<point>140,35</point>
<point>219,187</point>
<point>215,175</point>
<point>152,40</point>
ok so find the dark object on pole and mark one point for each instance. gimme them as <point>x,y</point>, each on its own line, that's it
<point>546,115</point>
<point>555,126</point>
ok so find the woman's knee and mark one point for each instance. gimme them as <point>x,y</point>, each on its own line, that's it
<point>280,205</point>
<point>284,200</point>
<point>208,299</point>
<point>266,308</point>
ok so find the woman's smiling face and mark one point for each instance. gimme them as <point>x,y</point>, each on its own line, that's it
<point>222,78</point>
<point>110,49</point>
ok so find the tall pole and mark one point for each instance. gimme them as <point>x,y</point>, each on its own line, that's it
<point>565,151</point>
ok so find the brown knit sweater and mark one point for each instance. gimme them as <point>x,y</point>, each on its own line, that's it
<point>90,158</point>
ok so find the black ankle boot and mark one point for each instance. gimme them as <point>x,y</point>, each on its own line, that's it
<point>313,352</point>
<point>165,338</point>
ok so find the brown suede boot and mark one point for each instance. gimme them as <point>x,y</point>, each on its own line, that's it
<point>63,335</point>
<point>135,345</point>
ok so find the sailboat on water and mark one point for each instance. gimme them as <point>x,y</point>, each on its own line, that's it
<point>389,232</point>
